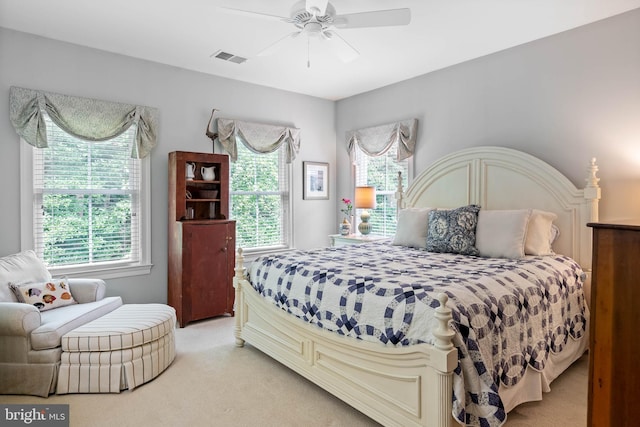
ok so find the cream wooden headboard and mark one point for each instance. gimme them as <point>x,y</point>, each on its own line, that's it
<point>504,178</point>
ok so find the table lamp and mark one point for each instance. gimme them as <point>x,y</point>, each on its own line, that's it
<point>365,199</point>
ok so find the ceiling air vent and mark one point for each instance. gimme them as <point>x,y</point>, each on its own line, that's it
<point>225,56</point>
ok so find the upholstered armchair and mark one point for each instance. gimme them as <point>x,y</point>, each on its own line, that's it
<point>30,333</point>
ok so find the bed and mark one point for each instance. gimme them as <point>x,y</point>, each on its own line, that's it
<point>416,365</point>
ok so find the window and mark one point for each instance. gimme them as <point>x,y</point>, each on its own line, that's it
<point>382,173</point>
<point>260,200</point>
<point>90,205</point>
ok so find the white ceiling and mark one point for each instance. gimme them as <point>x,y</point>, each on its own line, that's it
<point>186,33</point>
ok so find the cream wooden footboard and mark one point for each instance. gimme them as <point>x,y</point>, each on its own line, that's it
<point>396,386</point>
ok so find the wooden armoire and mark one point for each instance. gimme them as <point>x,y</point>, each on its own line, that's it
<point>614,380</point>
<point>201,236</point>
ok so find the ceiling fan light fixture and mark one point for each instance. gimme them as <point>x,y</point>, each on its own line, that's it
<point>313,29</point>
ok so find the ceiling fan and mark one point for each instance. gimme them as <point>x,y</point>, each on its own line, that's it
<point>318,19</point>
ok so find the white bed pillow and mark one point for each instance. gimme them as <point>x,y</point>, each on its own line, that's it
<point>412,227</point>
<point>502,233</point>
<point>540,233</point>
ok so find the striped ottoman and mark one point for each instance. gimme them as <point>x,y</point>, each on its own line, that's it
<point>121,350</point>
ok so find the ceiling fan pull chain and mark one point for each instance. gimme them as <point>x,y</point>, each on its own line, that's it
<point>308,54</point>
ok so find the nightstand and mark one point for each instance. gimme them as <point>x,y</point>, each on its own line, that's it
<point>338,240</point>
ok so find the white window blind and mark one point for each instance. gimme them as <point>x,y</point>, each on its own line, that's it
<point>86,200</point>
<point>260,200</point>
<point>382,173</point>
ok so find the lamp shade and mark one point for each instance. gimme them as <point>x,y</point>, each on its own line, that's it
<point>365,197</point>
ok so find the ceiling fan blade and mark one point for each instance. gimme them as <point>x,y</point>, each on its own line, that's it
<point>317,7</point>
<point>254,14</point>
<point>277,45</point>
<point>379,18</point>
<point>340,47</point>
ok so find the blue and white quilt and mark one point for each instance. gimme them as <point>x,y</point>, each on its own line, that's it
<point>508,314</point>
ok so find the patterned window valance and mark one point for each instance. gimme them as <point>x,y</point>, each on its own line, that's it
<point>375,141</point>
<point>85,118</point>
<point>257,137</point>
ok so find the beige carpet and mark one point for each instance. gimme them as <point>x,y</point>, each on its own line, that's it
<point>213,383</point>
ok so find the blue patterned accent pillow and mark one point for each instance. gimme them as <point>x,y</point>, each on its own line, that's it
<point>453,230</point>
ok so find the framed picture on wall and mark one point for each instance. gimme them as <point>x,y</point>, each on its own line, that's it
<point>316,181</point>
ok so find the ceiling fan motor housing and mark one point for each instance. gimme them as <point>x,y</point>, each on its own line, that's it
<point>300,15</point>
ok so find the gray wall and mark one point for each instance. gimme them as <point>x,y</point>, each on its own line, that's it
<point>565,99</point>
<point>185,100</point>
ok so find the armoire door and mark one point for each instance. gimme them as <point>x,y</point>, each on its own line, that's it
<point>209,261</point>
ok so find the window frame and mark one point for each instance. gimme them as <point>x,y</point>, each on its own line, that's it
<point>286,223</point>
<point>103,270</point>
<point>387,193</point>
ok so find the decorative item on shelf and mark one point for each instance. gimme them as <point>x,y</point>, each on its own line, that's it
<point>345,226</point>
<point>191,171</point>
<point>212,210</point>
<point>208,173</point>
<point>188,195</point>
<point>208,194</point>
<point>190,213</point>
<point>365,199</point>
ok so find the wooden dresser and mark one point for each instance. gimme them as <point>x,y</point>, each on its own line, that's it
<point>614,374</point>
